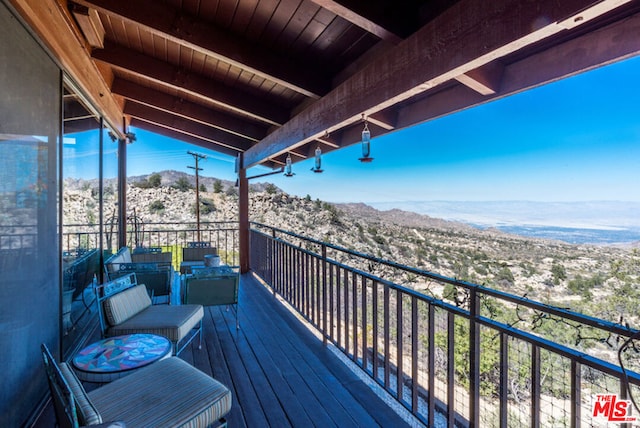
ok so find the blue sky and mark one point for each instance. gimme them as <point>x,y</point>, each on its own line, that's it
<point>574,140</point>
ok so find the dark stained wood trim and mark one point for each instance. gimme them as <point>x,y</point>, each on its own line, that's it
<point>609,44</point>
<point>180,124</point>
<point>385,119</point>
<point>485,80</point>
<point>172,133</point>
<point>174,77</point>
<point>243,220</point>
<point>188,110</point>
<point>169,23</point>
<point>54,25</point>
<point>176,135</point>
<point>360,20</point>
<point>469,35</point>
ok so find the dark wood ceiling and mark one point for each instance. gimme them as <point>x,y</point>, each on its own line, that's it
<point>267,78</point>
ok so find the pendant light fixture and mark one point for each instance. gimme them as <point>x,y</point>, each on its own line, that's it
<point>287,167</point>
<point>366,142</point>
<point>317,168</point>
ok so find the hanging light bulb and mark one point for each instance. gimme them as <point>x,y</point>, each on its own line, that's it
<point>318,161</point>
<point>366,143</point>
<point>287,167</point>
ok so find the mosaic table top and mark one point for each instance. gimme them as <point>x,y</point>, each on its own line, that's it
<point>119,354</point>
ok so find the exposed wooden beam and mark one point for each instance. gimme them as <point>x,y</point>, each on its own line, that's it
<point>485,80</point>
<point>188,110</point>
<point>187,138</point>
<point>385,119</point>
<point>615,42</point>
<point>168,121</point>
<point>357,18</point>
<point>90,24</point>
<point>163,73</point>
<point>168,22</point>
<point>186,126</point>
<point>463,38</point>
<point>54,26</point>
<point>329,141</point>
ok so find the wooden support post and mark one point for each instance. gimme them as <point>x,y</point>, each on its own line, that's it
<point>122,192</point>
<point>243,209</point>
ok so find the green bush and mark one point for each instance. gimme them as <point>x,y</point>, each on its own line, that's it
<point>155,180</point>
<point>207,206</point>
<point>271,189</point>
<point>558,273</point>
<point>182,184</point>
<point>156,206</point>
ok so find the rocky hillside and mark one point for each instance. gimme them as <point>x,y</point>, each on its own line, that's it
<point>597,280</point>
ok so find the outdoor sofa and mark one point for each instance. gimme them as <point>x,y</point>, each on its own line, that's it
<point>168,393</point>
<point>124,307</point>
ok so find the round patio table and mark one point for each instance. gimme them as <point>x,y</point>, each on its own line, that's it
<point>118,356</point>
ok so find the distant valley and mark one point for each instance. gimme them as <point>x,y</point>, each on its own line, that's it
<point>591,222</point>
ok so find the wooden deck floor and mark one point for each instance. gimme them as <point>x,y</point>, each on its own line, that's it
<point>280,374</point>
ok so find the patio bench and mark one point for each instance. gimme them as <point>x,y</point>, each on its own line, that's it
<point>169,393</point>
<point>125,307</point>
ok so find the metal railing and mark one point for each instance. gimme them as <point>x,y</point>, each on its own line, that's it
<point>169,236</point>
<point>466,355</point>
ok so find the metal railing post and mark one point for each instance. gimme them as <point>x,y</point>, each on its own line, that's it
<point>474,359</point>
<point>324,293</point>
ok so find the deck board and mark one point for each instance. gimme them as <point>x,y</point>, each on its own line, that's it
<point>279,373</point>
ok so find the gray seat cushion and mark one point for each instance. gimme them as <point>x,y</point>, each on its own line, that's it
<point>172,322</point>
<point>168,393</point>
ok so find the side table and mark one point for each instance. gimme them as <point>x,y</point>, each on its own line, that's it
<point>115,357</point>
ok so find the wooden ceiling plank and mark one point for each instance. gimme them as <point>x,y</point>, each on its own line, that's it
<point>201,36</point>
<point>466,36</point>
<point>186,126</point>
<point>168,75</point>
<point>485,80</point>
<point>188,110</point>
<point>90,24</point>
<point>359,20</point>
<point>53,24</point>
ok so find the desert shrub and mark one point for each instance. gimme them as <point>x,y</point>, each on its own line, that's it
<point>583,286</point>
<point>217,186</point>
<point>271,189</point>
<point>558,272</point>
<point>505,276</point>
<point>182,184</point>
<point>156,206</point>
<point>155,180</point>
<point>207,206</point>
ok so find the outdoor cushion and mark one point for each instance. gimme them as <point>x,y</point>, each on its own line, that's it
<point>122,306</point>
<point>86,411</point>
<point>172,322</point>
<point>169,393</point>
